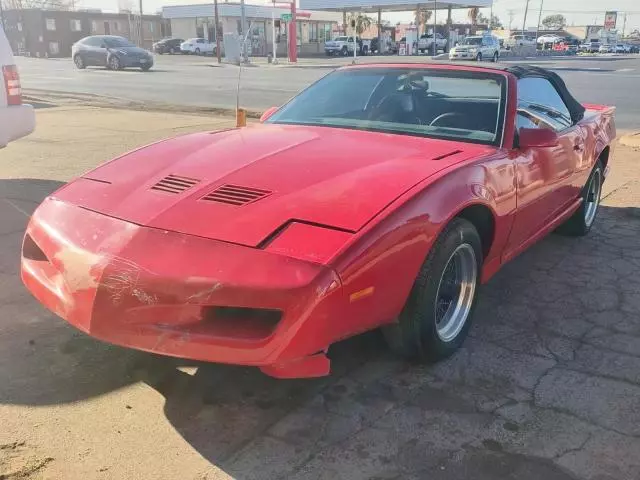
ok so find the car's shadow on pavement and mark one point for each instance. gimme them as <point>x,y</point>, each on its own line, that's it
<point>555,344</point>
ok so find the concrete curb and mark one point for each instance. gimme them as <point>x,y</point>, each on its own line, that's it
<point>57,98</point>
<point>631,140</point>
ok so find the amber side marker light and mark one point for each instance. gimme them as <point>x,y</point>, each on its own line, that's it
<point>367,292</point>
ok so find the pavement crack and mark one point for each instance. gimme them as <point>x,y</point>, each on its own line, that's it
<point>576,449</point>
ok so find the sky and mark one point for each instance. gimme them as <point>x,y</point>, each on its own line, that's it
<point>577,12</point>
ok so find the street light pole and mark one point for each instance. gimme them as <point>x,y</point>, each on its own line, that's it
<point>217,33</point>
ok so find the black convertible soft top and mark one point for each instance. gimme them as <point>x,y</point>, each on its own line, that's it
<point>522,71</point>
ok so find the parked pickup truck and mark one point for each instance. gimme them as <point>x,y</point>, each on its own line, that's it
<point>344,46</point>
<point>425,43</point>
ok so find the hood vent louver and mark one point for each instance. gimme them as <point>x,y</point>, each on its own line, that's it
<point>236,195</point>
<point>175,184</point>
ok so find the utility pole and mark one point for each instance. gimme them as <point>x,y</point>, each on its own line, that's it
<point>524,23</point>
<point>512,14</point>
<point>140,27</point>
<point>491,17</point>
<point>217,33</point>
<point>435,26</point>
<point>538,27</point>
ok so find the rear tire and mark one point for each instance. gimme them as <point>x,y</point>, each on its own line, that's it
<point>581,222</point>
<point>479,57</point>
<point>437,316</point>
<point>197,51</point>
<point>172,51</point>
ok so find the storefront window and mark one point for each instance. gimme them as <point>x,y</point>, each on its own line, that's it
<point>313,32</point>
<point>327,31</point>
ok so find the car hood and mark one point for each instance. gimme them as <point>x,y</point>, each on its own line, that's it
<point>242,185</point>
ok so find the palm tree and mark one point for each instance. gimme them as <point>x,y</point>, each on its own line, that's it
<point>363,22</point>
<point>422,18</point>
<point>473,15</point>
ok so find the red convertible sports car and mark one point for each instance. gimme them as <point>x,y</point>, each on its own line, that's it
<point>381,196</point>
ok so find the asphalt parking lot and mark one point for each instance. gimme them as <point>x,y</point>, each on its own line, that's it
<point>199,81</point>
<point>547,386</point>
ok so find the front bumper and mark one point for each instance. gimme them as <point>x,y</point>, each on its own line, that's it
<point>16,121</point>
<point>462,56</point>
<point>159,291</point>
<point>132,62</point>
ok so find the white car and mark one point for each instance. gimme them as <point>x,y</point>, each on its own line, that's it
<point>16,118</point>
<point>549,39</point>
<point>198,46</point>
<point>486,47</point>
<point>606,49</point>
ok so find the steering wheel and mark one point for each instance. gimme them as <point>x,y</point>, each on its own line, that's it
<point>389,107</point>
<point>444,116</point>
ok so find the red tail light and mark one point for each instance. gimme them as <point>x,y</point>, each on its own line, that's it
<point>12,84</point>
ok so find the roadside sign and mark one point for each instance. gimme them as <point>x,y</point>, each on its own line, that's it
<point>286,17</point>
<point>610,20</point>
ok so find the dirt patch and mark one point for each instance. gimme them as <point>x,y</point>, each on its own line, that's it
<point>17,462</point>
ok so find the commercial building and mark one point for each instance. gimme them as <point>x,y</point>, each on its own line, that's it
<point>313,27</point>
<point>51,33</point>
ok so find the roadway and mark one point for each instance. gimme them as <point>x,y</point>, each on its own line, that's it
<point>196,81</point>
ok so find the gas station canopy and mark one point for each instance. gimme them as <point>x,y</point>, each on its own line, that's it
<point>374,6</point>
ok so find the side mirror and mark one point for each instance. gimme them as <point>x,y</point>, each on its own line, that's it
<point>270,111</point>
<point>537,138</point>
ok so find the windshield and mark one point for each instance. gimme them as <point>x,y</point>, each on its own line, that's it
<point>465,106</point>
<point>472,41</point>
<point>341,39</point>
<point>115,42</point>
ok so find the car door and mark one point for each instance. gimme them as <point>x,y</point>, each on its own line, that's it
<point>90,50</point>
<point>544,175</point>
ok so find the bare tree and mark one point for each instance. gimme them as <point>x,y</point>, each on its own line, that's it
<point>41,4</point>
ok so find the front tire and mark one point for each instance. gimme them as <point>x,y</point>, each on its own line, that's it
<point>581,222</point>
<point>437,316</point>
<point>79,62</point>
<point>197,51</point>
<point>114,63</point>
<point>496,57</point>
<point>345,52</point>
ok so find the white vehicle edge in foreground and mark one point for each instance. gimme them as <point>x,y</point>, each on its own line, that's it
<point>16,119</point>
